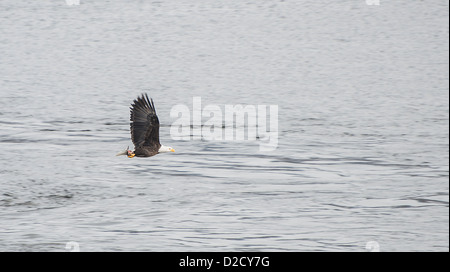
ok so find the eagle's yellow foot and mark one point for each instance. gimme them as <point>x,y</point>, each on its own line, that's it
<point>131,155</point>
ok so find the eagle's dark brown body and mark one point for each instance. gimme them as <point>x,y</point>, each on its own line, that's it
<point>144,127</point>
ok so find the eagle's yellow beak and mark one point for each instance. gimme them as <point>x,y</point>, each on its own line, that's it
<point>172,150</point>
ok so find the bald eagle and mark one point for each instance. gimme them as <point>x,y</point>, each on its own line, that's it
<point>144,127</point>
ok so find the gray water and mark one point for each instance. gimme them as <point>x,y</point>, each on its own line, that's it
<point>363,126</point>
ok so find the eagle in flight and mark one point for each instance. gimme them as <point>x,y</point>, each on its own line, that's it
<point>144,127</point>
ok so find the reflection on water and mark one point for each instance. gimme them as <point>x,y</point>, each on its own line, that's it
<point>363,126</point>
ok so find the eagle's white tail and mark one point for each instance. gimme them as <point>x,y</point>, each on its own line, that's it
<point>125,152</point>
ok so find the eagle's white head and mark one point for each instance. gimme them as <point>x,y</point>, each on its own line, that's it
<point>165,149</point>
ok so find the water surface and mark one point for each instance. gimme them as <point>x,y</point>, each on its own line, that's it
<point>363,125</point>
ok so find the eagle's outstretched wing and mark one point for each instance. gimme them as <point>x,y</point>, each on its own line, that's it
<point>144,123</point>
